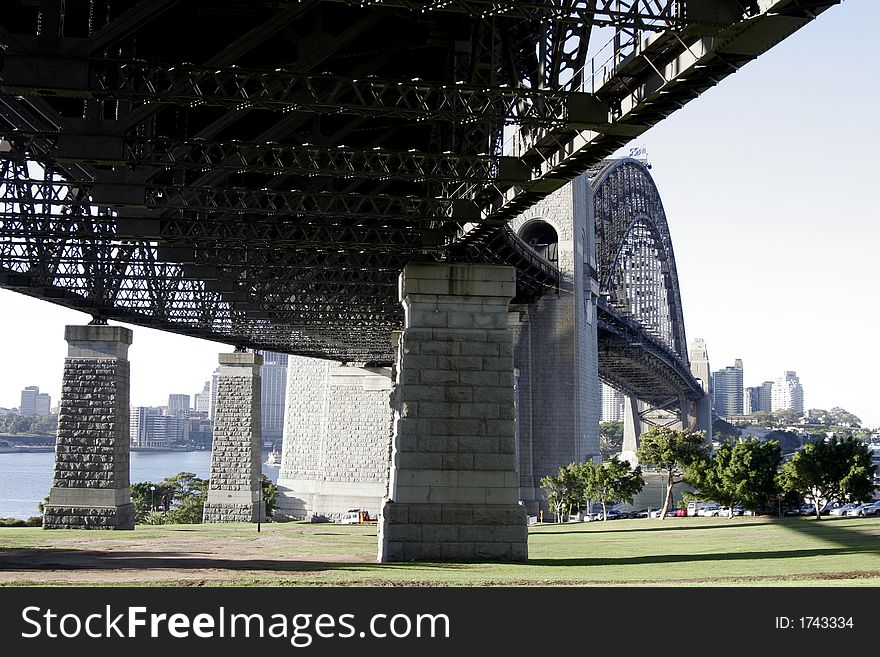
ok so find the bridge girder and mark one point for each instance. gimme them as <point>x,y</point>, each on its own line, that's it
<point>184,169</point>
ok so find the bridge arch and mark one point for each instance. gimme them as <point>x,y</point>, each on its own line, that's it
<point>635,259</point>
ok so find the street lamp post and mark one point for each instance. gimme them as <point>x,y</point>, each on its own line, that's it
<point>152,498</point>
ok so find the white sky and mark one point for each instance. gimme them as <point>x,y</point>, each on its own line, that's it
<point>767,181</point>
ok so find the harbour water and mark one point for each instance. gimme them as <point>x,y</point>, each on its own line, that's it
<point>25,478</point>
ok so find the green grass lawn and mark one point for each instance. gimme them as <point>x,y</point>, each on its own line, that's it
<point>744,551</point>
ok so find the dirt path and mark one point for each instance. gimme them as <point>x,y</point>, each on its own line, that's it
<point>176,558</point>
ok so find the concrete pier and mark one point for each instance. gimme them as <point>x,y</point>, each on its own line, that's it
<point>234,487</point>
<point>90,486</point>
<point>453,486</point>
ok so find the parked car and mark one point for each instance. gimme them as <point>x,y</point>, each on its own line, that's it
<point>681,513</point>
<point>842,510</point>
<point>638,514</point>
<point>709,511</point>
<point>867,509</point>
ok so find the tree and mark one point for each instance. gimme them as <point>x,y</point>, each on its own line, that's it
<point>724,430</point>
<point>788,441</point>
<point>610,438</point>
<point>833,469</point>
<point>671,451</point>
<point>612,480</point>
<point>270,495</point>
<point>180,499</point>
<point>785,417</point>
<point>742,473</point>
<point>565,491</point>
<point>149,497</point>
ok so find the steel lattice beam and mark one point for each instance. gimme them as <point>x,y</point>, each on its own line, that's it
<point>648,15</point>
<point>30,74</point>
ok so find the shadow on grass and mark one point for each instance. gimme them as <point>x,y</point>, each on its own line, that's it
<point>713,556</point>
<point>837,531</point>
<point>590,528</point>
<point>19,559</point>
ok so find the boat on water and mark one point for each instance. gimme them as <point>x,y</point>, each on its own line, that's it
<point>274,458</point>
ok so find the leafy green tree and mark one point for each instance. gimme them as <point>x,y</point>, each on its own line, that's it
<point>842,418</point>
<point>610,481</point>
<point>270,495</point>
<point>610,438</point>
<point>723,430</point>
<point>785,417</point>
<point>834,469</point>
<point>742,473</point>
<point>565,491</point>
<point>175,500</point>
<point>671,451</point>
<point>788,441</point>
<point>149,497</point>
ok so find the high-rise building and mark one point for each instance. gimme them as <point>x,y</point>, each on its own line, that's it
<point>788,393</point>
<point>612,404</point>
<point>758,398</point>
<point>751,400</point>
<point>766,399</point>
<point>202,400</point>
<point>727,385</point>
<point>153,427</point>
<point>177,404</point>
<point>273,390</point>
<point>34,402</point>
<point>212,409</point>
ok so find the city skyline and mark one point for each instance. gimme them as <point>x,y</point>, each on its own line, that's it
<point>773,247</point>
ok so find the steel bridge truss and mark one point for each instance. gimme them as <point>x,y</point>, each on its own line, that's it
<point>259,171</point>
<point>642,344</point>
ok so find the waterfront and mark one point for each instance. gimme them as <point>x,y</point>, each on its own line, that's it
<point>25,478</point>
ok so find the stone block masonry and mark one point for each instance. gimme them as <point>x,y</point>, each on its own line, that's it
<point>453,486</point>
<point>556,348</point>
<point>337,438</point>
<point>234,486</point>
<point>90,485</point>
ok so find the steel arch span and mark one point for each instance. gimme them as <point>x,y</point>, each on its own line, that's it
<point>642,344</point>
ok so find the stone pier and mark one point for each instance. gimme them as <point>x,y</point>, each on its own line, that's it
<point>337,435</point>
<point>453,486</point>
<point>234,488</point>
<point>90,487</point>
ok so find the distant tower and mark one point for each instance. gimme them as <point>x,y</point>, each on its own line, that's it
<point>202,400</point>
<point>788,393</point>
<point>29,400</point>
<point>612,404</point>
<point>273,379</point>
<point>752,400</point>
<point>699,357</point>
<point>766,398</point>
<point>212,409</point>
<point>178,404</point>
<point>728,389</point>
<point>34,402</point>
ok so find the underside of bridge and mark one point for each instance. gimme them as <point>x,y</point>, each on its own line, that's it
<point>258,173</point>
<point>261,172</point>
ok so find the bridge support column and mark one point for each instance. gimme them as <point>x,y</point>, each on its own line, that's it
<point>234,488</point>
<point>632,425</point>
<point>453,485</point>
<point>336,439</point>
<point>90,487</point>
